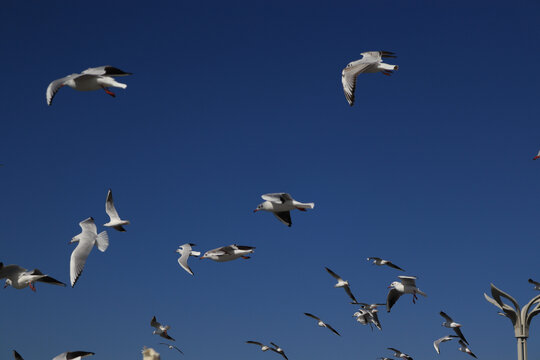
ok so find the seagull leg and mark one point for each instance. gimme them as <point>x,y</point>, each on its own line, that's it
<point>301,209</point>
<point>32,287</point>
<point>109,92</point>
<point>246,257</point>
<point>387,73</point>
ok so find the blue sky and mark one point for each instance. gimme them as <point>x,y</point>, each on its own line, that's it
<point>431,168</point>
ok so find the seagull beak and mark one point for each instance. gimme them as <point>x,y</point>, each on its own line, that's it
<point>389,287</point>
<point>255,210</point>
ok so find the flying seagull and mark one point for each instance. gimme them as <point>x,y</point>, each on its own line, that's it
<point>364,317</point>
<point>449,323</point>
<point>185,252</point>
<point>17,356</point>
<point>161,330</point>
<point>371,62</point>
<point>343,284</point>
<point>150,354</point>
<point>115,222</point>
<point>281,204</point>
<point>441,340</point>
<point>322,324</point>
<point>406,286</point>
<point>279,350</point>
<point>97,78</point>
<point>262,346</point>
<point>73,355</point>
<point>399,354</point>
<point>170,346</point>
<point>228,253</point>
<point>20,278</point>
<point>465,348</point>
<point>535,283</point>
<point>87,239</point>
<point>380,262</point>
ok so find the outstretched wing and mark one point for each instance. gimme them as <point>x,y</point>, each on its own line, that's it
<point>254,342</point>
<point>393,296</point>
<point>394,266</point>
<point>332,329</point>
<point>17,356</point>
<point>312,316</point>
<point>54,86</point>
<point>11,271</point>
<point>106,70</point>
<point>284,217</point>
<point>109,207</point>
<point>460,334</point>
<point>408,280</point>
<point>348,291</point>
<point>154,323</point>
<point>47,279</point>
<point>78,259</point>
<point>279,198</point>
<point>348,79</point>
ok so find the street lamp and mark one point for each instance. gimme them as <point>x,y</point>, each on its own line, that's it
<point>521,318</point>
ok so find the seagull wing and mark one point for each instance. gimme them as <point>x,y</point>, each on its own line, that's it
<point>394,266</point>
<point>348,291</point>
<point>437,342</point>
<point>274,197</point>
<point>47,279</point>
<point>154,323</point>
<point>408,280</point>
<point>534,282</point>
<point>393,296</point>
<point>11,271</point>
<point>88,225</point>
<point>284,217</point>
<point>255,343</point>
<point>336,276</point>
<point>460,334</point>
<point>70,355</point>
<point>54,86</point>
<point>79,256</point>
<point>106,70</point>
<point>374,258</point>
<point>312,316</point>
<point>181,352</point>
<point>332,329</point>
<point>348,79</point>
<point>184,256</point>
<point>17,356</point>
<point>444,315</point>
<point>166,336</point>
<point>109,207</point>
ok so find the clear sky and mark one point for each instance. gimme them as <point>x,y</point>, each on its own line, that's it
<point>432,168</point>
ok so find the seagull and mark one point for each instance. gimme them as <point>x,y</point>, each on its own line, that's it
<point>406,286</point>
<point>73,355</point>
<point>20,278</point>
<point>366,317</point>
<point>400,354</point>
<point>535,283</point>
<point>170,346</point>
<point>322,324</point>
<point>115,222</point>
<point>87,239</point>
<point>228,253</point>
<point>449,323</point>
<point>150,354</point>
<point>371,62</point>
<point>441,340</point>
<point>101,77</point>
<point>537,156</point>
<point>263,347</point>
<point>343,284</point>
<point>161,330</point>
<point>379,261</point>
<point>279,350</point>
<point>280,204</point>
<point>465,349</point>
<point>17,356</point>
<point>185,252</point>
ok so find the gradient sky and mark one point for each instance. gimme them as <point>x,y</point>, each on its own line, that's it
<point>229,100</point>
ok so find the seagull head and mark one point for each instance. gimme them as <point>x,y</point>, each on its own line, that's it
<point>8,283</point>
<point>394,284</point>
<point>263,206</point>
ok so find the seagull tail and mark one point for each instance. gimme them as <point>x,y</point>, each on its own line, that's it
<point>305,205</point>
<point>102,241</point>
<point>418,291</point>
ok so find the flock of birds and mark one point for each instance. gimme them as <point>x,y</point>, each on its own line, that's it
<point>279,204</point>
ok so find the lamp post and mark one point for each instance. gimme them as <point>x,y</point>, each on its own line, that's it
<point>521,318</point>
